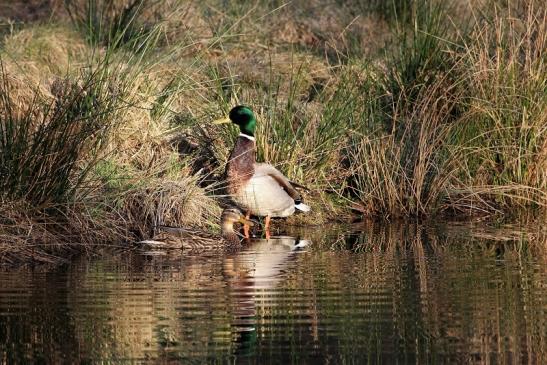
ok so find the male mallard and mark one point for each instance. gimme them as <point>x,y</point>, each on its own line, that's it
<point>185,238</point>
<point>258,188</point>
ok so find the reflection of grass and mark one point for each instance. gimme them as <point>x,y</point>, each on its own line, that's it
<point>444,286</point>
<point>413,292</point>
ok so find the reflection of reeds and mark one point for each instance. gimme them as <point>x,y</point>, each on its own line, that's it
<point>445,287</point>
<point>427,293</point>
<point>157,321</point>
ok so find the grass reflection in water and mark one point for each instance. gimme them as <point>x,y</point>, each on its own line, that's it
<point>368,294</point>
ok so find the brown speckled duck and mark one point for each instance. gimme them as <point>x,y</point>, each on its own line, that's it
<point>257,188</point>
<point>197,240</point>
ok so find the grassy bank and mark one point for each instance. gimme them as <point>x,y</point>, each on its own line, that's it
<point>405,108</point>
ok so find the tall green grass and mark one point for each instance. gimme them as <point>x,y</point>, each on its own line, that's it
<point>420,53</point>
<point>113,24</point>
<point>390,10</point>
<point>505,124</point>
<point>458,124</point>
<point>43,145</point>
<point>404,171</point>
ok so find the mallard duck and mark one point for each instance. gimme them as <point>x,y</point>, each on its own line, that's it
<point>258,188</point>
<point>192,239</point>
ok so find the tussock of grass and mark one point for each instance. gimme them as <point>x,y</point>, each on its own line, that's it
<point>407,171</point>
<point>164,202</point>
<point>43,142</point>
<point>505,123</point>
<point>110,23</point>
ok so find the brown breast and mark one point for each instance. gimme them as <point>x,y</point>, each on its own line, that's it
<point>240,167</point>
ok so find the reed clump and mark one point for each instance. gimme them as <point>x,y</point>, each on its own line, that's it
<point>165,202</point>
<point>504,124</point>
<point>461,125</point>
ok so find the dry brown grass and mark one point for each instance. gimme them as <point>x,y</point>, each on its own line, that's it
<point>408,171</point>
<point>336,109</point>
<point>32,236</point>
<point>164,202</point>
<point>52,50</point>
<point>22,88</point>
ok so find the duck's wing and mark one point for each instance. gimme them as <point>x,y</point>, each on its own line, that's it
<point>263,195</point>
<point>267,169</point>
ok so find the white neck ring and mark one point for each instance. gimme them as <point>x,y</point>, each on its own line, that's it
<point>251,138</point>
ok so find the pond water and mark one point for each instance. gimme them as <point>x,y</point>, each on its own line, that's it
<point>360,294</point>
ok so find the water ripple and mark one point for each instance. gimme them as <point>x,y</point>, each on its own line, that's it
<point>388,298</point>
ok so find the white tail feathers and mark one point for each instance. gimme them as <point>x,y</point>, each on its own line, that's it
<point>302,207</point>
<point>301,244</point>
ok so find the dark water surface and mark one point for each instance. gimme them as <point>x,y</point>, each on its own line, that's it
<point>366,294</point>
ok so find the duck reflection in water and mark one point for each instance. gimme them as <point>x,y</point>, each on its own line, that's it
<point>220,295</point>
<point>252,274</point>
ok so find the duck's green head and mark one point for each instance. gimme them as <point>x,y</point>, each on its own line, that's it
<point>244,117</point>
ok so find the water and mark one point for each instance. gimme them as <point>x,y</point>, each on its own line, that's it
<point>366,294</point>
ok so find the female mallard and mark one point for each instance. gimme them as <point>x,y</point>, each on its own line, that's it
<point>258,188</point>
<point>185,238</point>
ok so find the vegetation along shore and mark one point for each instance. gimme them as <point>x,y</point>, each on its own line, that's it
<point>382,109</point>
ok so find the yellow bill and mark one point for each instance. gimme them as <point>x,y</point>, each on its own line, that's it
<point>222,120</point>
